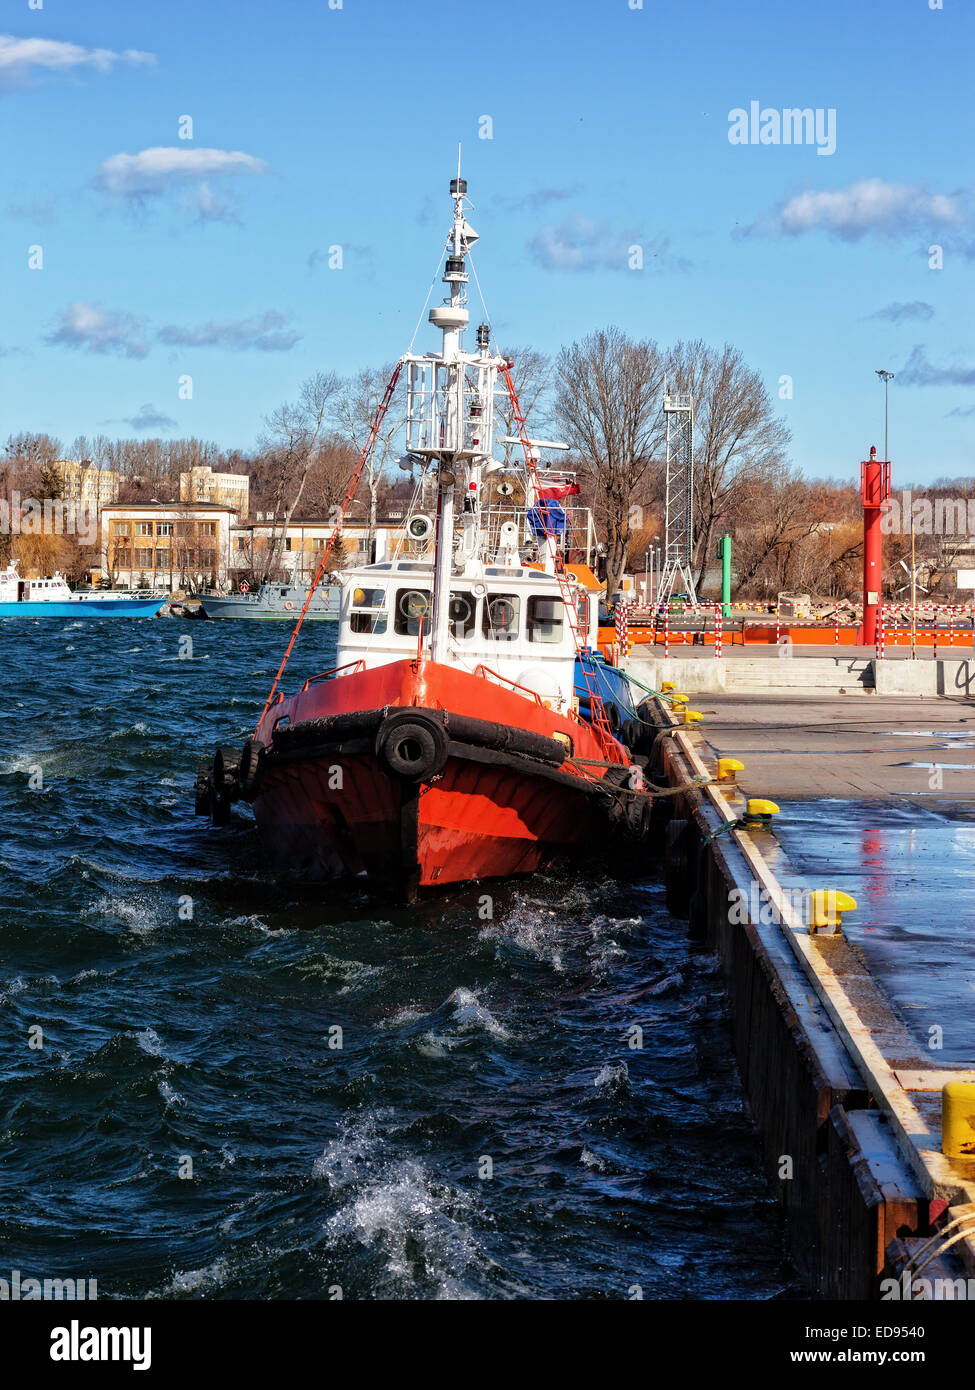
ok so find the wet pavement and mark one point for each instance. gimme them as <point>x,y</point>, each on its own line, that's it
<point>879,804</point>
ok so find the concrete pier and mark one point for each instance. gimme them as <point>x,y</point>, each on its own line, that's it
<point>844,1038</point>
<point>841,670</point>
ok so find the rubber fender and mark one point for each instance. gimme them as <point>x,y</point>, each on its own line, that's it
<point>330,729</point>
<point>411,745</point>
<point>201,791</point>
<point>505,739</point>
<point>225,766</point>
<point>638,820</point>
<point>250,768</point>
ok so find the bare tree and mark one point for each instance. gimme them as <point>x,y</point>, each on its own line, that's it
<point>607,404</point>
<point>737,437</point>
<point>291,442</point>
<point>358,407</point>
<point>776,516</point>
<point>531,376</point>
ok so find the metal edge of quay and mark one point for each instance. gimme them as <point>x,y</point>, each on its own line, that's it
<point>871,1197</point>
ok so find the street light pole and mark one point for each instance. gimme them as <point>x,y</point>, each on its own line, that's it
<point>886,378</point>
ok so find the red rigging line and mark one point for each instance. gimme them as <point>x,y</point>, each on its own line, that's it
<point>330,546</point>
<point>596,707</point>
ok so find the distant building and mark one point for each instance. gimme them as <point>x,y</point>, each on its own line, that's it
<point>82,481</point>
<point>201,484</point>
<point>303,542</point>
<point>165,545</point>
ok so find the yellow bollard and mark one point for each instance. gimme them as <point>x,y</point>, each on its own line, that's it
<point>958,1119</point>
<point>692,716</point>
<point>668,685</point>
<point>678,699</point>
<point>727,767</point>
<point>826,908</point>
<point>758,814</point>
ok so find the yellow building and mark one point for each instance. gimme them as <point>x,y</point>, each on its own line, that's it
<point>201,484</point>
<point>83,482</point>
<point>165,545</point>
<point>300,548</point>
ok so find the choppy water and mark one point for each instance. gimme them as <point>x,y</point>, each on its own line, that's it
<point>314,1168</point>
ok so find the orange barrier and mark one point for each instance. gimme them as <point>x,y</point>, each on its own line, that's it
<point>764,635</point>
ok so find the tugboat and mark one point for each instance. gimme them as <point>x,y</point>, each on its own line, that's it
<point>51,598</point>
<point>446,745</point>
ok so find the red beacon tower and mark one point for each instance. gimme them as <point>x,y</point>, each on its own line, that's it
<point>875,490</point>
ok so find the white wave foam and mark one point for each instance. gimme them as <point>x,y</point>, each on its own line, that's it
<point>196,1280</point>
<point>471,1014</point>
<point>614,1076</point>
<point>134,913</point>
<point>420,1224</point>
<point>169,1094</point>
<point>150,1041</point>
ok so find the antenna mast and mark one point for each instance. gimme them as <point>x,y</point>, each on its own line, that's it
<point>679,519</point>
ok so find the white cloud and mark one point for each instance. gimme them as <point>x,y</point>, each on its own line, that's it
<point>580,244</point>
<point>869,207</point>
<point>266,332</point>
<point>90,328</point>
<point>919,371</point>
<point>18,56</point>
<point>153,172</point>
<point>900,312</point>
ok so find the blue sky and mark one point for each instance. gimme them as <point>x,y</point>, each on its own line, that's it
<point>316,126</point>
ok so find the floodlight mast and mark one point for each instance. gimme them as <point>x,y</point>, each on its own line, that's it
<point>678,409</point>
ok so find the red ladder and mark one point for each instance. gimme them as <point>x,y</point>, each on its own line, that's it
<point>336,530</point>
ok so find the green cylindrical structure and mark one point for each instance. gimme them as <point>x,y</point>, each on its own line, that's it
<point>724,555</point>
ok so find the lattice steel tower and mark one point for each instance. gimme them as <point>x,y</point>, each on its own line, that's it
<point>679,519</point>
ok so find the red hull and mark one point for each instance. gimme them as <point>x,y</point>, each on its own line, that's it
<point>330,806</point>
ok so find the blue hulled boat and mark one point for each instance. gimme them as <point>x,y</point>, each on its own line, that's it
<point>51,598</point>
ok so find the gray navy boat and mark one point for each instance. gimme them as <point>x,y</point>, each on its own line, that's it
<point>283,601</point>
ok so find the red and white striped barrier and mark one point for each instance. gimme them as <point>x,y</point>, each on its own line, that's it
<point>718,631</point>
<point>622,632</point>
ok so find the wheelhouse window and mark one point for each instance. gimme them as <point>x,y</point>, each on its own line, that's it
<point>412,607</point>
<point>461,615</point>
<point>545,618</point>
<point>368,613</point>
<point>501,617</point>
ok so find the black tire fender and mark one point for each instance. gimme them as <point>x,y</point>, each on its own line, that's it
<point>201,791</point>
<point>638,820</point>
<point>411,746</point>
<point>249,769</point>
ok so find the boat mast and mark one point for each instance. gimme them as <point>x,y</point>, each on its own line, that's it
<point>452,319</point>
<point>450,419</point>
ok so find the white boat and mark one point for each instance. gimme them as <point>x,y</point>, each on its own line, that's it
<point>52,598</point>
